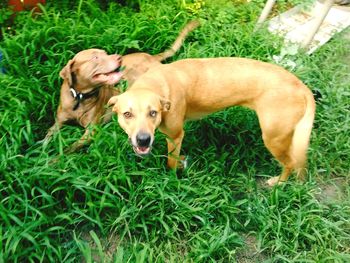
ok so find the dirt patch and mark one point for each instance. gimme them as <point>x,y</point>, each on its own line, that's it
<point>250,253</point>
<point>109,246</point>
<point>346,34</point>
<point>332,191</point>
<point>346,37</point>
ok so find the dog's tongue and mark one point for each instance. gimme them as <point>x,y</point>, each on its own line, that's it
<point>109,78</point>
<point>114,78</point>
<point>142,150</point>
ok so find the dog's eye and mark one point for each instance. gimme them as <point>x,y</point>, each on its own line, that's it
<point>153,113</point>
<point>127,115</point>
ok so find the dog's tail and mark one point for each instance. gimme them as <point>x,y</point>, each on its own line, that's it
<point>301,136</point>
<point>178,42</point>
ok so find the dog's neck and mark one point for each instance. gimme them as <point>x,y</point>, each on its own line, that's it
<point>79,96</point>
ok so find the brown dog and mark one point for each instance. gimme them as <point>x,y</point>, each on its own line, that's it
<point>89,79</point>
<point>188,89</point>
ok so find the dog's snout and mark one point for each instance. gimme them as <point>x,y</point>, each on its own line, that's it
<point>143,139</point>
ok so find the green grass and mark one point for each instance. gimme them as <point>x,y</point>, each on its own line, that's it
<point>104,204</point>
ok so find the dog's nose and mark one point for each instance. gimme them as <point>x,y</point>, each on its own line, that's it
<point>143,139</point>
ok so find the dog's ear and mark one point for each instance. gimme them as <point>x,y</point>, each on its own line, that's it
<point>165,104</point>
<point>66,72</point>
<point>113,102</point>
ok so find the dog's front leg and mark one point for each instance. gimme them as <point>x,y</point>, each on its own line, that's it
<point>174,141</point>
<point>84,140</point>
<point>61,118</point>
<point>53,129</point>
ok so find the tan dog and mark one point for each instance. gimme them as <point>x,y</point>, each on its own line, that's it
<point>89,79</point>
<point>188,89</point>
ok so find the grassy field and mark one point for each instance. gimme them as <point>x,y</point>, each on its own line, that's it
<point>104,204</point>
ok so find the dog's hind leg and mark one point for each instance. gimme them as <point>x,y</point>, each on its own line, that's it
<point>288,143</point>
<point>301,137</point>
<point>280,148</point>
<point>286,130</point>
<point>277,126</point>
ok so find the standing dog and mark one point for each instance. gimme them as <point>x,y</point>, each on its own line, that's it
<point>89,79</point>
<point>188,89</point>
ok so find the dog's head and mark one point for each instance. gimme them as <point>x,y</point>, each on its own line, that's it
<point>139,114</point>
<point>91,68</point>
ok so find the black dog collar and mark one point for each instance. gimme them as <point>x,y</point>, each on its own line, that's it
<point>79,96</point>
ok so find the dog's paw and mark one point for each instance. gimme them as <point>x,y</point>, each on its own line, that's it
<point>273,181</point>
<point>182,162</point>
<point>179,163</point>
<point>72,149</point>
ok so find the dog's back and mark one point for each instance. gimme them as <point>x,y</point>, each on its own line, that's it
<point>223,82</point>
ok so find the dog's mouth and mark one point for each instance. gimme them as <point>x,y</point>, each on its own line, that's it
<point>110,78</point>
<point>118,69</point>
<point>142,151</point>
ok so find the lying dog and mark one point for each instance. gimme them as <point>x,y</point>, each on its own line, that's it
<point>89,79</point>
<point>188,89</point>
